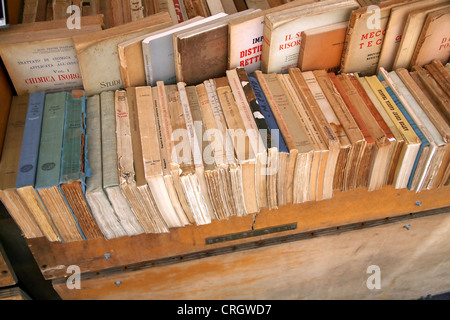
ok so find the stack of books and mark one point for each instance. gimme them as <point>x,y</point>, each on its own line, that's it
<point>156,124</point>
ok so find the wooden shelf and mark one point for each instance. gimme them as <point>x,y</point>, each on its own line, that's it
<point>344,208</point>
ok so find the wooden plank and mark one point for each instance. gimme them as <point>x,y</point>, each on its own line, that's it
<point>14,293</point>
<point>7,275</point>
<point>344,208</point>
<point>412,257</point>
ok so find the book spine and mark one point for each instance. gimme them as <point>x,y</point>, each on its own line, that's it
<point>30,145</point>
<point>265,110</point>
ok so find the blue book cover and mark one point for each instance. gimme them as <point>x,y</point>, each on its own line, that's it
<point>424,141</point>
<point>268,115</point>
<point>26,175</point>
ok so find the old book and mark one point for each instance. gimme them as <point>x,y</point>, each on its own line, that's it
<point>435,117</point>
<point>337,128</point>
<point>135,192</point>
<point>170,169</point>
<point>385,140</point>
<point>97,53</point>
<point>219,153</point>
<point>72,179</point>
<point>131,58</point>
<point>425,146</point>
<point>245,198</point>
<point>364,38</point>
<point>230,171</point>
<point>321,48</point>
<point>439,74</point>
<point>111,182</point>
<point>411,32</point>
<point>29,11</point>
<point>433,90</point>
<point>188,97</point>
<point>352,130</point>
<point>34,64</point>
<point>261,138</point>
<point>102,210</point>
<point>399,141</point>
<point>150,133</point>
<point>364,169</point>
<point>321,151</point>
<point>116,17</point>
<point>277,152</point>
<point>158,51</point>
<point>60,9</point>
<point>49,168</point>
<point>428,168</point>
<point>433,43</point>
<point>283,31</point>
<point>198,101</point>
<point>182,159</point>
<point>153,215</point>
<point>26,174</point>
<point>10,168</point>
<point>215,6</point>
<point>211,41</point>
<point>255,128</point>
<point>246,37</point>
<point>395,29</point>
<point>301,152</point>
<point>412,141</point>
<point>302,83</point>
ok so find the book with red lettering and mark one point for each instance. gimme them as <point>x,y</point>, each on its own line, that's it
<point>44,59</point>
<point>365,34</point>
<point>283,30</point>
<point>245,37</point>
<point>434,40</point>
<point>321,48</point>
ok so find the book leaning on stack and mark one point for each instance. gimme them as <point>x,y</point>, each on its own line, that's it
<point>215,127</point>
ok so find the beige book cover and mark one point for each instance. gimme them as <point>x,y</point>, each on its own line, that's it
<point>433,42</point>
<point>411,32</point>
<point>150,131</point>
<point>283,31</point>
<point>364,40</point>
<point>395,28</point>
<point>326,131</point>
<point>351,128</point>
<point>151,212</point>
<point>170,169</point>
<point>217,173</point>
<point>231,168</point>
<point>330,115</point>
<point>321,151</point>
<point>98,57</point>
<point>295,136</point>
<point>246,202</point>
<point>43,60</point>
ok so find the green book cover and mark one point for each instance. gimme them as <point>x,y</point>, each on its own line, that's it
<point>49,163</point>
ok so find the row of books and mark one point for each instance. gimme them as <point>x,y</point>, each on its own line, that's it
<point>155,48</point>
<point>151,158</point>
<point>119,12</point>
